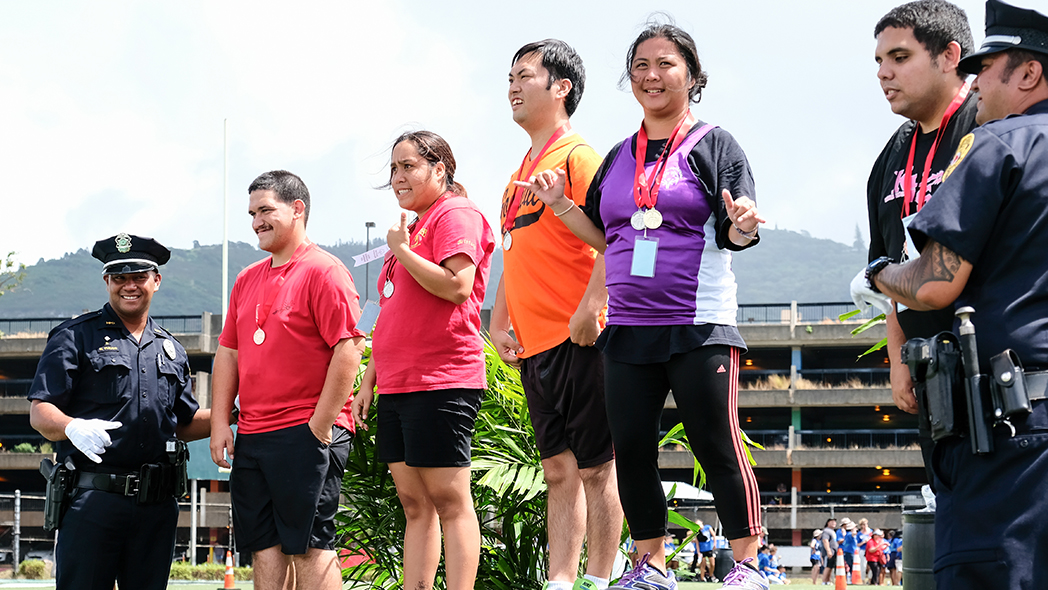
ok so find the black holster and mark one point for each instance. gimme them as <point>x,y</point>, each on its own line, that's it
<point>59,492</point>
<point>938,379</point>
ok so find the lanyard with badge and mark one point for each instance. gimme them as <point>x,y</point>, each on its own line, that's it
<point>646,196</point>
<point>514,205</point>
<point>909,249</point>
<point>265,302</point>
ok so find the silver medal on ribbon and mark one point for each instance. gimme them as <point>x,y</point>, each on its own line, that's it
<point>387,289</point>
<point>507,241</point>
<point>260,337</point>
<point>637,220</point>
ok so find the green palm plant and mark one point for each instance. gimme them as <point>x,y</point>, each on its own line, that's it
<point>508,491</point>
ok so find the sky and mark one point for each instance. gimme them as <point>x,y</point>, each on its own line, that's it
<point>112,114</point>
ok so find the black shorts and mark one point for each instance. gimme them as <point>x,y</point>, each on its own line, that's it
<point>428,428</point>
<point>831,560</point>
<point>323,534</point>
<point>708,554</point>
<point>565,390</point>
<point>275,486</point>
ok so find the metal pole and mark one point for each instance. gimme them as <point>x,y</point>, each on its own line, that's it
<point>225,217</point>
<point>367,266</point>
<point>18,527</point>
<point>193,503</point>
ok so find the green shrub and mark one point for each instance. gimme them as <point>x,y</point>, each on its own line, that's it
<point>32,569</point>
<point>508,490</point>
<point>24,448</point>
<point>181,570</point>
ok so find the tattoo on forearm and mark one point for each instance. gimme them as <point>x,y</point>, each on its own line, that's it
<point>937,263</point>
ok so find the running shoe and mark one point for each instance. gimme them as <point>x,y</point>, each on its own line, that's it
<point>744,577</point>
<point>646,577</point>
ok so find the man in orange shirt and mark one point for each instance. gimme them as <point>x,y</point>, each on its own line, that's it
<point>552,292</point>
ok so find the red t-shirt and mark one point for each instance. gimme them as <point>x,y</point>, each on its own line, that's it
<point>422,342</point>
<point>305,307</point>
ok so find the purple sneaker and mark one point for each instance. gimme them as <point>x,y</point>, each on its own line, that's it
<point>744,577</point>
<point>646,577</point>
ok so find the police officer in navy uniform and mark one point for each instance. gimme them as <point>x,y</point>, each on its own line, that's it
<point>984,243</point>
<point>113,388</point>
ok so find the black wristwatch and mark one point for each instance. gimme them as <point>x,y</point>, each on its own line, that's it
<point>875,267</point>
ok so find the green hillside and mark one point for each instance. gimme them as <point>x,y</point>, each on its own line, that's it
<point>785,266</point>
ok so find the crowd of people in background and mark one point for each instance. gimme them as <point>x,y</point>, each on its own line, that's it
<point>876,554</point>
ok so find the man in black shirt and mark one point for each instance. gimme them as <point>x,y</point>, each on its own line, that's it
<point>919,45</point>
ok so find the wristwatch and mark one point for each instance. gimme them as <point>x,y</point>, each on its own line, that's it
<point>875,267</point>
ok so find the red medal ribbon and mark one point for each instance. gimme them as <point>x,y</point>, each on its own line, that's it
<point>907,183</point>
<point>647,196</point>
<point>511,212</point>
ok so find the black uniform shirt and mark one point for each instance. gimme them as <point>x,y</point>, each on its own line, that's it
<point>93,368</point>
<point>993,212</point>
<point>885,197</point>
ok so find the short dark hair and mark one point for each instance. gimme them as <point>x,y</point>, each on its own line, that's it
<point>562,63</point>
<point>1017,57</point>
<point>662,25</point>
<point>828,521</point>
<point>935,23</point>
<point>434,149</point>
<point>287,186</point>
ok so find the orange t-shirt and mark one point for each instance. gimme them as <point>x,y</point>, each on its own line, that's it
<point>546,270</point>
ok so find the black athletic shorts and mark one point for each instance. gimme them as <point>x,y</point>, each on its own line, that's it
<point>275,487</point>
<point>323,535</point>
<point>565,390</point>
<point>427,428</point>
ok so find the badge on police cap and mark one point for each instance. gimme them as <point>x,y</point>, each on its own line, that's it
<point>123,243</point>
<point>169,349</point>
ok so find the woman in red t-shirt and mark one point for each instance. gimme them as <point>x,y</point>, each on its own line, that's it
<point>427,359</point>
<point>876,556</point>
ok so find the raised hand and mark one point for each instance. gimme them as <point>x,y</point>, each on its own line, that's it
<point>398,235</point>
<point>548,187</point>
<point>743,212</point>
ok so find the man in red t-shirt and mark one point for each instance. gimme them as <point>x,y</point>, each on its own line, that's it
<point>552,290</point>
<point>290,349</point>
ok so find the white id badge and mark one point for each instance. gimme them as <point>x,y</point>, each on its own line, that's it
<point>644,250</point>
<point>368,317</point>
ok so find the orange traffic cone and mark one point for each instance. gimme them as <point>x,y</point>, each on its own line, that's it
<point>856,574</point>
<point>841,583</point>
<point>228,583</point>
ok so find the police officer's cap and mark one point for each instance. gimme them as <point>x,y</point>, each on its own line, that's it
<point>126,254</point>
<point>1009,27</point>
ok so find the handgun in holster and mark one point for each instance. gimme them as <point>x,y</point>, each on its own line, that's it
<point>58,494</point>
<point>935,367</point>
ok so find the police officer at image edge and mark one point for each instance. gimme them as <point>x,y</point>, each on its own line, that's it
<point>983,242</point>
<point>125,382</point>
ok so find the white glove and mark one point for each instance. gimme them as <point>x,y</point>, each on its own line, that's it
<point>90,436</point>
<point>864,296</point>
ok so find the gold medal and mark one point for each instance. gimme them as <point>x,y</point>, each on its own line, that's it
<point>637,220</point>
<point>260,337</point>
<point>507,241</point>
<point>652,219</point>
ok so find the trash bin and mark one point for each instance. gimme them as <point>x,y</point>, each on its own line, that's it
<point>723,562</point>
<point>918,550</point>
